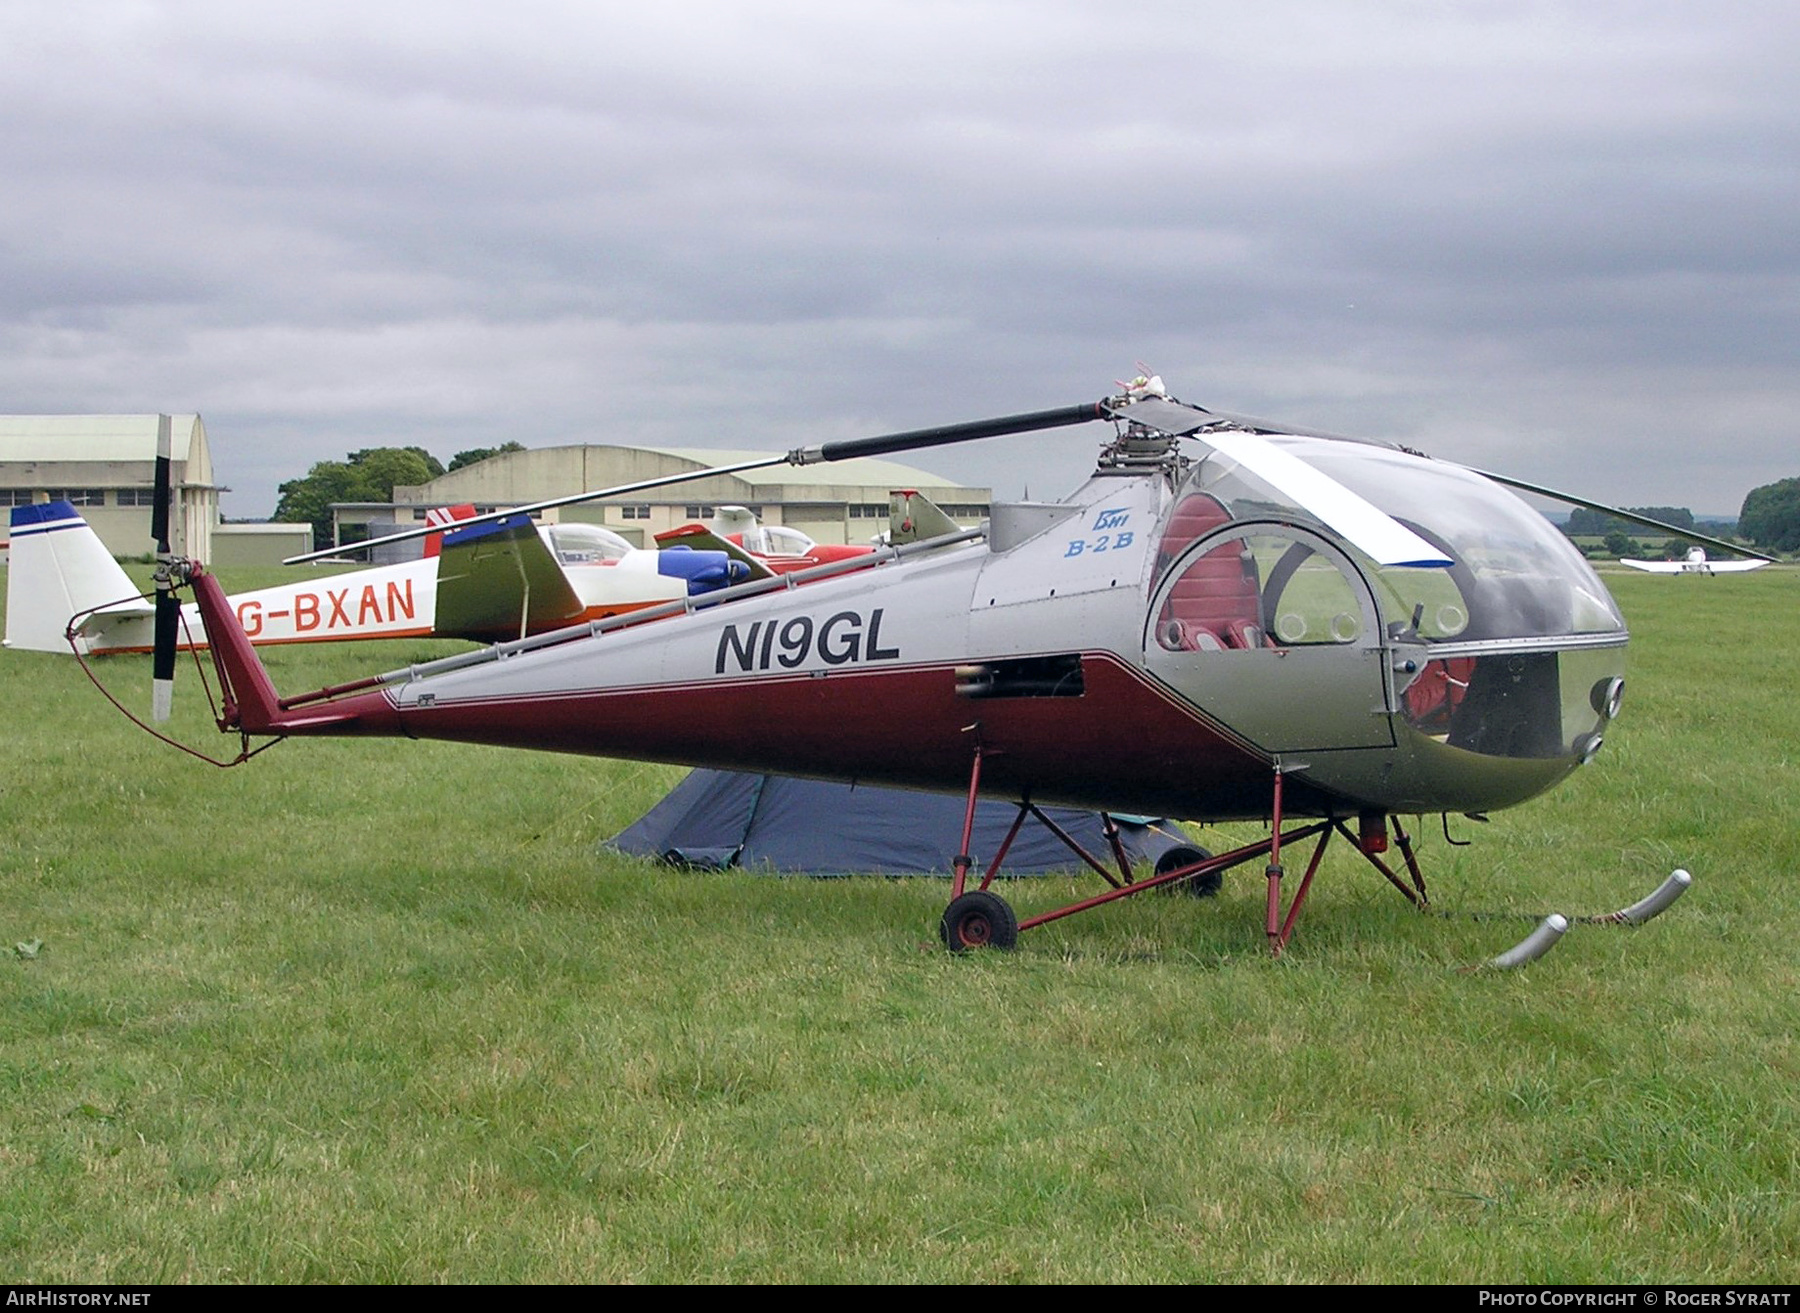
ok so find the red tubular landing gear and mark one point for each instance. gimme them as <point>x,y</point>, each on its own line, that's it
<point>980,918</point>
<point>1279,928</point>
<point>963,860</point>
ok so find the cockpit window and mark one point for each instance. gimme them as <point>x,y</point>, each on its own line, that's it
<point>791,541</point>
<point>1514,574</point>
<point>1425,604</point>
<point>1263,588</point>
<point>585,544</point>
<point>775,540</point>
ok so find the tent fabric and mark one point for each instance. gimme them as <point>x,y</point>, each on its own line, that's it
<point>779,825</point>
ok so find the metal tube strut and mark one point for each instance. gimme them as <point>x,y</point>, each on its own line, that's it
<point>1223,862</point>
<point>1379,865</point>
<point>1273,870</point>
<point>963,860</point>
<point>993,867</point>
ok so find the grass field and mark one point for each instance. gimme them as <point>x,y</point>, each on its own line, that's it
<point>380,1011</point>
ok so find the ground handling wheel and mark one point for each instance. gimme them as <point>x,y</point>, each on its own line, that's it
<point>1204,886</point>
<point>979,920</point>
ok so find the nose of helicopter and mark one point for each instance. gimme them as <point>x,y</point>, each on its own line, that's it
<point>1482,732</point>
<point>1466,688</point>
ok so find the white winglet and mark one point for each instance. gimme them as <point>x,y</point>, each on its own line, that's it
<point>1373,530</point>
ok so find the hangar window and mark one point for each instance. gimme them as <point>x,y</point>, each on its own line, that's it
<point>137,496</point>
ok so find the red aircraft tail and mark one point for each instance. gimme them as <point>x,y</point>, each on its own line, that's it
<point>447,516</point>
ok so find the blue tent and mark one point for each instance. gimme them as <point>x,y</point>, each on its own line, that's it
<point>718,819</point>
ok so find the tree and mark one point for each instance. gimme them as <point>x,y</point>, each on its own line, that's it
<point>1771,516</point>
<point>368,475</point>
<point>475,454</point>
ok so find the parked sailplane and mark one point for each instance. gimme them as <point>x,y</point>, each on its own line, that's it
<point>498,579</point>
<point>1229,620</point>
<point>1695,562</point>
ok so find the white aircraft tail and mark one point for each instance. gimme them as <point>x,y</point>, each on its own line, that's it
<point>60,568</point>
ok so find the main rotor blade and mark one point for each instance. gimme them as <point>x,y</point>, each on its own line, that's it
<point>839,449</point>
<point>1168,417</point>
<point>1030,422</point>
<point>1618,513</point>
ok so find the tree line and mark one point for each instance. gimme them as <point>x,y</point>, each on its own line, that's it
<point>1584,522</point>
<point>369,475</point>
<point>1770,518</point>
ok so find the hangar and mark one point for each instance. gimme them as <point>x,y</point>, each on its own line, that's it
<point>106,466</point>
<point>840,502</point>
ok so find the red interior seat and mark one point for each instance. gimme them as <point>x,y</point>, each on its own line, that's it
<point>1217,602</point>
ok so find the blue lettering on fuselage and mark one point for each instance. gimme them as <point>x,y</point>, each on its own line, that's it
<point>840,639</point>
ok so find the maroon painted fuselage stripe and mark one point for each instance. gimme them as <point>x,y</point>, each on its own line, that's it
<point>1124,744</point>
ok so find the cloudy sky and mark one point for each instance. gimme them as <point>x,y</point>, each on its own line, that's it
<point>1555,239</point>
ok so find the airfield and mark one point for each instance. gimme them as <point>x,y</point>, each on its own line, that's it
<point>378,1011</point>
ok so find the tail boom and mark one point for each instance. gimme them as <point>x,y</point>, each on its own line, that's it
<point>249,701</point>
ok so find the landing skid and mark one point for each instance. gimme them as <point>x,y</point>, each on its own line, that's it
<point>980,918</point>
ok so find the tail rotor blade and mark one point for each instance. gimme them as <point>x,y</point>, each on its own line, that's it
<point>162,661</point>
<point>168,609</point>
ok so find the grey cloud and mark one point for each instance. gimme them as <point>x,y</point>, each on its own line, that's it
<point>1508,230</point>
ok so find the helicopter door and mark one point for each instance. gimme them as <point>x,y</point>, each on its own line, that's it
<point>1272,631</point>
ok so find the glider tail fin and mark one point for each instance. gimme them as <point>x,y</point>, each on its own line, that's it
<point>59,569</point>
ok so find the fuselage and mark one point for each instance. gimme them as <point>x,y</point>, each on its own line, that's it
<point>1159,642</point>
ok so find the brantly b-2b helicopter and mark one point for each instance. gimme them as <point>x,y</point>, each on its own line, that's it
<point>1228,621</point>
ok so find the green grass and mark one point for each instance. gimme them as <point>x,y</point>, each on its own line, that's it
<point>380,1011</point>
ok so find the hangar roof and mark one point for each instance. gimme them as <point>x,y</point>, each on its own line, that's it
<point>868,470</point>
<point>93,437</point>
<point>537,472</point>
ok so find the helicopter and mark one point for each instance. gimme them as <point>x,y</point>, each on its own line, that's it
<point>1228,620</point>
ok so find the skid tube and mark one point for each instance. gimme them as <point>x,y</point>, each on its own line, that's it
<point>979,918</point>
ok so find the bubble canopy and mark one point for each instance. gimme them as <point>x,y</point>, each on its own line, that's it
<point>1514,576</point>
<point>586,544</point>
